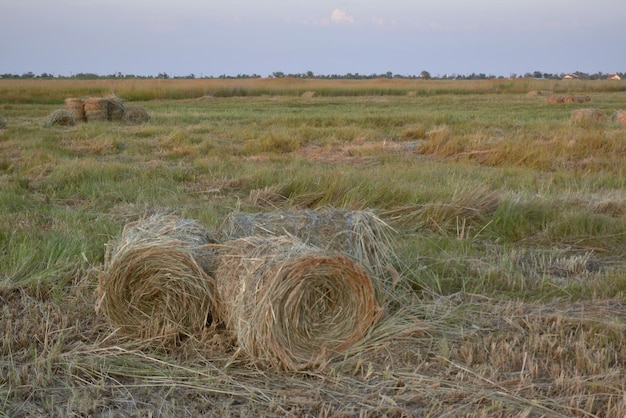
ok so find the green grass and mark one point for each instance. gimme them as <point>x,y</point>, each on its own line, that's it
<point>510,229</point>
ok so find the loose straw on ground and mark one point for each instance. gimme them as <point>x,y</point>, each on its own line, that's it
<point>290,305</point>
<point>156,279</point>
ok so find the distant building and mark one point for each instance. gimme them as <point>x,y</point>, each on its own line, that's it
<point>613,77</point>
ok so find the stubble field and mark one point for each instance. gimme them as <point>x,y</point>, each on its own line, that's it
<point>507,225</point>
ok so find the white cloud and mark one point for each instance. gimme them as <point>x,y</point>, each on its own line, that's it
<point>340,16</point>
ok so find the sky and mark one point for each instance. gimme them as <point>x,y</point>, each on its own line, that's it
<point>231,37</point>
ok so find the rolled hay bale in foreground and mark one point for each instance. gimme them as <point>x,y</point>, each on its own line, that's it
<point>77,108</point>
<point>587,116</point>
<point>60,117</point>
<point>361,234</point>
<point>290,305</point>
<point>115,108</point>
<point>136,115</point>
<point>619,116</point>
<point>156,280</point>
<point>96,109</point>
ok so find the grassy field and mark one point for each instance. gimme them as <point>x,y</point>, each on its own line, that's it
<point>509,239</point>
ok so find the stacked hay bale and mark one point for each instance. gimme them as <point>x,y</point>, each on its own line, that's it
<point>619,116</point>
<point>60,117</point>
<point>77,108</point>
<point>136,115</point>
<point>290,305</point>
<point>587,116</point>
<point>156,281</point>
<point>115,108</point>
<point>96,109</point>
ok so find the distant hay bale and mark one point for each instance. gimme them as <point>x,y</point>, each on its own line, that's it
<point>156,281</point>
<point>290,305</point>
<point>309,94</point>
<point>136,115</point>
<point>3,122</point>
<point>77,108</point>
<point>619,116</point>
<point>587,116</point>
<point>555,99</point>
<point>96,109</point>
<point>569,99</point>
<point>115,108</point>
<point>411,93</point>
<point>360,234</point>
<point>583,99</point>
<point>60,117</point>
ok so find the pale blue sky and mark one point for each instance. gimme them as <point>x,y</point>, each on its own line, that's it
<point>182,37</point>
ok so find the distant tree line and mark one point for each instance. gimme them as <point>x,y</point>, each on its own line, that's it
<point>310,75</point>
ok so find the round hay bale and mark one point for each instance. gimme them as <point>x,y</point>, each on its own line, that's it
<point>292,306</point>
<point>583,99</point>
<point>3,123</point>
<point>77,108</point>
<point>619,116</point>
<point>569,99</point>
<point>96,109</point>
<point>309,94</point>
<point>587,116</point>
<point>136,115</point>
<point>60,117</point>
<point>156,279</point>
<point>555,99</point>
<point>115,108</point>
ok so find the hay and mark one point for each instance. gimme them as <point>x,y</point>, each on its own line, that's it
<point>309,94</point>
<point>292,306</point>
<point>360,234</point>
<point>60,117</point>
<point>555,99</point>
<point>156,279</point>
<point>115,108</point>
<point>96,109</point>
<point>586,116</point>
<point>619,116</point>
<point>77,108</point>
<point>136,115</point>
<point>583,99</point>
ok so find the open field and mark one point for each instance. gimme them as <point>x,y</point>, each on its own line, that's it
<point>509,243</point>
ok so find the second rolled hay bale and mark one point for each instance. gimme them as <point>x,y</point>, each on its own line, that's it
<point>156,279</point>
<point>136,115</point>
<point>60,117</point>
<point>290,305</point>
